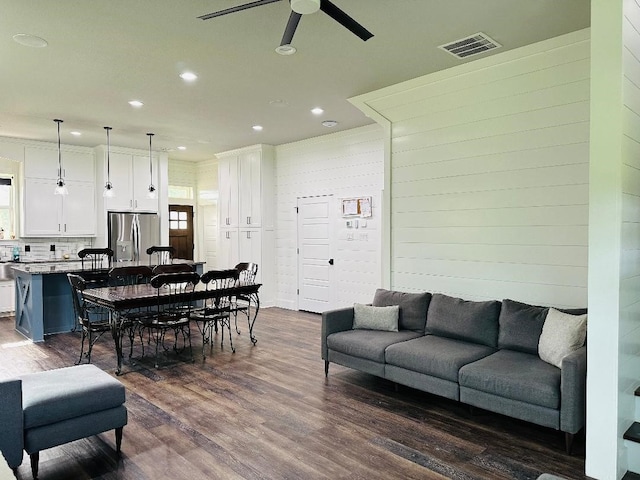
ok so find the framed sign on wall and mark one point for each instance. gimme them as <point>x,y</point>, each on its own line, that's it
<point>356,207</point>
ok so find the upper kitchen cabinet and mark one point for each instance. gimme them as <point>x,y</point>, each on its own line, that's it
<point>47,215</point>
<point>130,176</point>
<point>245,179</point>
<point>43,163</point>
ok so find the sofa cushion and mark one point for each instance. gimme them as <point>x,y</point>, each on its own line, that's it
<point>413,307</point>
<point>436,356</point>
<point>561,334</point>
<point>463,319</point>
<point>64,393</point>
<point>375,318</point>
<point>369,344</point>
<point>514,375</point>
<point>520,326</point>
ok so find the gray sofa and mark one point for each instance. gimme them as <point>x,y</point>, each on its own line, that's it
<point>484,354</point>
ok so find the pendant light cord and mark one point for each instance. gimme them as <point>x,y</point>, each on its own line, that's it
<point>58,121</point>
<point>150,161</point>
<point>108,155</point>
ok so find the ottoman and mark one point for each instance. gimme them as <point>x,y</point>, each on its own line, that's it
<point>67,404</point>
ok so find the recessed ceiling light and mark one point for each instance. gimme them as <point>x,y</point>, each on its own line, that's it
<point>257,128</point>
<point>317,111</point>
<point>188,76</point>
<point>136,103</point>
<point>182,148</point>
<point>30,40</point>
<point>286,50</point>
<point>329,123</point>
<point>75,134</point>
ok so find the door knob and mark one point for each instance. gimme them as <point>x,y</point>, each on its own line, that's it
<point>331,261</point>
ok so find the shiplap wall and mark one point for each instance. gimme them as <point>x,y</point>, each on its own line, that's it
<point>489,176</point>
<point>344,164</point>
<point>629,329</point>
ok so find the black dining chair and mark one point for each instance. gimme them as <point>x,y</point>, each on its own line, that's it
<point>129,319</point>
<point>163,255</point>
<point>174,268</point>
<point>93,321</point>
<point>247,272</point>
<point>216,309</point>
<point>174,293</point>
<point>96,263</point>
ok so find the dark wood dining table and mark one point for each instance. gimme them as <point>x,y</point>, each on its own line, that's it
<point>122,299</point>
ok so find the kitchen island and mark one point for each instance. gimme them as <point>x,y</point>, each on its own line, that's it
<point>43,296</point>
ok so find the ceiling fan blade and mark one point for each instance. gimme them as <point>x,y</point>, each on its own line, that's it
<point>290,29</point>
<point>239,8</point>
<point>345,20</point>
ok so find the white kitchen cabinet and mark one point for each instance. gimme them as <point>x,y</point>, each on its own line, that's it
<point>229,253</point>
<point>129,175</point>
<point>43,163</point>
<point>46,214</point>
<point>7,297</point>
<point>228,191</point>
<point>250,188</point>
<point>246,204</point>
<point>49,215</point>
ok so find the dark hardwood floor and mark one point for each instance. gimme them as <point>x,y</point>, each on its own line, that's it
<point>268,412</point>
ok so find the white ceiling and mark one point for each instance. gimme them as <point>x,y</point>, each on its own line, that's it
<point>101,54</point>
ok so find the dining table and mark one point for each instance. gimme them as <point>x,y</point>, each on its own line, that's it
<point>120,300</point>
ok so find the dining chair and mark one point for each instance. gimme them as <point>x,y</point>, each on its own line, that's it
<point>129,319</point>
<point>173,268</point>
<point>174,293</point>
<point>247,272</point>
<point>163,254</point>
<point>216,310</point>
<point>93,321</point>
<point>96,263</point>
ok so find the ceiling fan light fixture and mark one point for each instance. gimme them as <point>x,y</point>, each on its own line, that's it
<point>286,50</point>
<point>304,7</point>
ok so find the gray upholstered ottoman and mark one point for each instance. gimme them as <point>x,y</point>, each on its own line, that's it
<point>68,404</point>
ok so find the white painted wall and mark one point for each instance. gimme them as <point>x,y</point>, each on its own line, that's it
<point>207,194</point>
<point>489,176</point>
<point>344,164</point>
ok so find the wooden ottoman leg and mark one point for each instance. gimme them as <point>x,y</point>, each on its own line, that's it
<point>35,459</point>
<point>118,438</point>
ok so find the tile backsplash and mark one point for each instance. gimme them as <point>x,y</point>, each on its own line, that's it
<point>33,249</point>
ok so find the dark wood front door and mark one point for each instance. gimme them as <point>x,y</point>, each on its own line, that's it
<point>181,231</point>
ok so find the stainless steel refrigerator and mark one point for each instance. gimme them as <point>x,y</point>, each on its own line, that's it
<point>130,234</point>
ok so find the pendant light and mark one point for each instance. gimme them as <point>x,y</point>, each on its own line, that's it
<point>108,187</point>
<point>61,188</point>
<point>152,193</point>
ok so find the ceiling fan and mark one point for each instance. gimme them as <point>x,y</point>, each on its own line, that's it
<point>299,8</point>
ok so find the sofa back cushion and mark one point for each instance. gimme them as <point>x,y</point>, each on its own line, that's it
<point>463,319</point>
<point>413,307</point>
<point>520,326</point>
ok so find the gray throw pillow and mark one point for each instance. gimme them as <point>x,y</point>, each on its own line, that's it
<point>375,318</point>
<point>475,322</point>
<point>520,326</point>
<point>561,334</point>
<point>413,307</point>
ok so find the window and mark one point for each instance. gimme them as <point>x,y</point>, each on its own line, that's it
<point>178,220</point>
<point>178,191</point>
<point>6,206</point>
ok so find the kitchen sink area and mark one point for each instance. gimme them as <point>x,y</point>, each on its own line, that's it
<point>6,270</point>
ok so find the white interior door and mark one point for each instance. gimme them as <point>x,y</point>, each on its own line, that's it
<point>315,254</point>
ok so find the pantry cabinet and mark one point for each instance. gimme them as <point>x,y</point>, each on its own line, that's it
<point>246,204</point>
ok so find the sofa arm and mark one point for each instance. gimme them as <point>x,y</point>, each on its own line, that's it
<point>11,421</point>
<point>335,321</point>
<point>573,386</point>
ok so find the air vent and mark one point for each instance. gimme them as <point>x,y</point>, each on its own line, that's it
<point>473,45</point>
